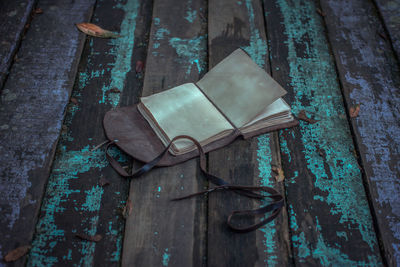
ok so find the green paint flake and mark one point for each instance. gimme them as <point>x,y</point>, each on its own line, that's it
<point>166,257</point>
<point>93,199</point>
<point>264,157</point>
<point>190,14</point>
<point>122,50</point>
<point>68,165</point>
<point>313,78</point>
<point>258,47</point>
<point>190,52</point>
<point>284,146</point>
<point>257,50</point>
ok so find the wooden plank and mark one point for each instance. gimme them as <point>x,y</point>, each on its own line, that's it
<point>329,216</point>
<point>389,11</point>
<point>370,77</point>
<point>75,202</point>
<point>246,162</point>
<point>160,232</point>
<point>32,108</point>
<point>14,16</point>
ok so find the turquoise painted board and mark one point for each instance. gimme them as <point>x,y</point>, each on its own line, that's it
<point>330,219</point>
<point>233,25</point>
<point>75,202</point>
<point>370,77</point>
<point>32,105</point>
<point>160,232</point>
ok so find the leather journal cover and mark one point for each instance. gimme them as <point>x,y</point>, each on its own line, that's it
<point>235,98</point>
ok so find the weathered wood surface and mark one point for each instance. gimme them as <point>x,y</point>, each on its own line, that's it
<point>330,220</point>
<point>32,107</point>
<point>14,14</point>
<point>389,11</point>
<point>160,232</point>
<point>75,201</point>
<point>246,162</point>
<point>370,77</point>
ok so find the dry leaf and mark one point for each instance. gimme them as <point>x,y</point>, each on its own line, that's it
<point>280,176</point>
<point>354,110</point>
<point>383,36</point>
<point>302,116</point>
<point>94,238</point>
<point>139,66</point>
<point>96,31</point>
<point>16,253</point>
<point>319,11</point>
<point>38,10</point>
<point>103,182</point>
<point>127,209</point>
<point>115,90</point>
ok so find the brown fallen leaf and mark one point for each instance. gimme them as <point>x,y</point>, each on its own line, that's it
<point>17,253</point>
<point>320,12</point>
<point>74,100</point>
<point>103,182</point>
<point>94,238</point>
<point>94,30</point>
<point>354,110</point>
<point>302,116</point>
<point>114,90</point>
<point>280,176</point>
<point>383,36</point>
<point>139,66</point>
<point>38,10</point>
<point>127,209</point>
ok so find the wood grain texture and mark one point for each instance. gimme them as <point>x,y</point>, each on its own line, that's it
<point>75,202</point>
<point>32,108</point>
<point>370,77</point>
<point>389,11</point>
<point>14,14</point>
<point>160,232</point>
<point>245,162</point>
<point>330,220</point>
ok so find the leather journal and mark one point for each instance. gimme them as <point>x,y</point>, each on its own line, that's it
<point>235,98</point>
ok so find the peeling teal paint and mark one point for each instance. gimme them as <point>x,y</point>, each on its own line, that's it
<point>340,180</point>
<point>165,258</point>
<point>116,233</point>
<point>66,167</point>
<point>257,50</point>
<point>284,146</point>
<point>264,157</point>
<point>190,52</point>
<point>69,165</point>
<point>93,199</point>
<point>258,47</point>
<point>190,14</point>
<point>123,49</point>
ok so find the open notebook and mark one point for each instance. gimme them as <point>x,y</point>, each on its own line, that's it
<point>235,95</point>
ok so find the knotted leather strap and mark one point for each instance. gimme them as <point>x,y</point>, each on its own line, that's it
<point>249,191</point>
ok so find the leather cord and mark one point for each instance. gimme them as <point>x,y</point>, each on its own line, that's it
<point>250,191</point>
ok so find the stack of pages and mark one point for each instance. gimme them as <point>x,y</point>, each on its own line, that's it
<point>235,96</point>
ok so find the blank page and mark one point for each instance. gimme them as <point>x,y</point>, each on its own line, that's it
<point>184,110</point>
<point>240,88</point>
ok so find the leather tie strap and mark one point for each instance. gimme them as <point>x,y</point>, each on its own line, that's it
<point>250,191</point>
